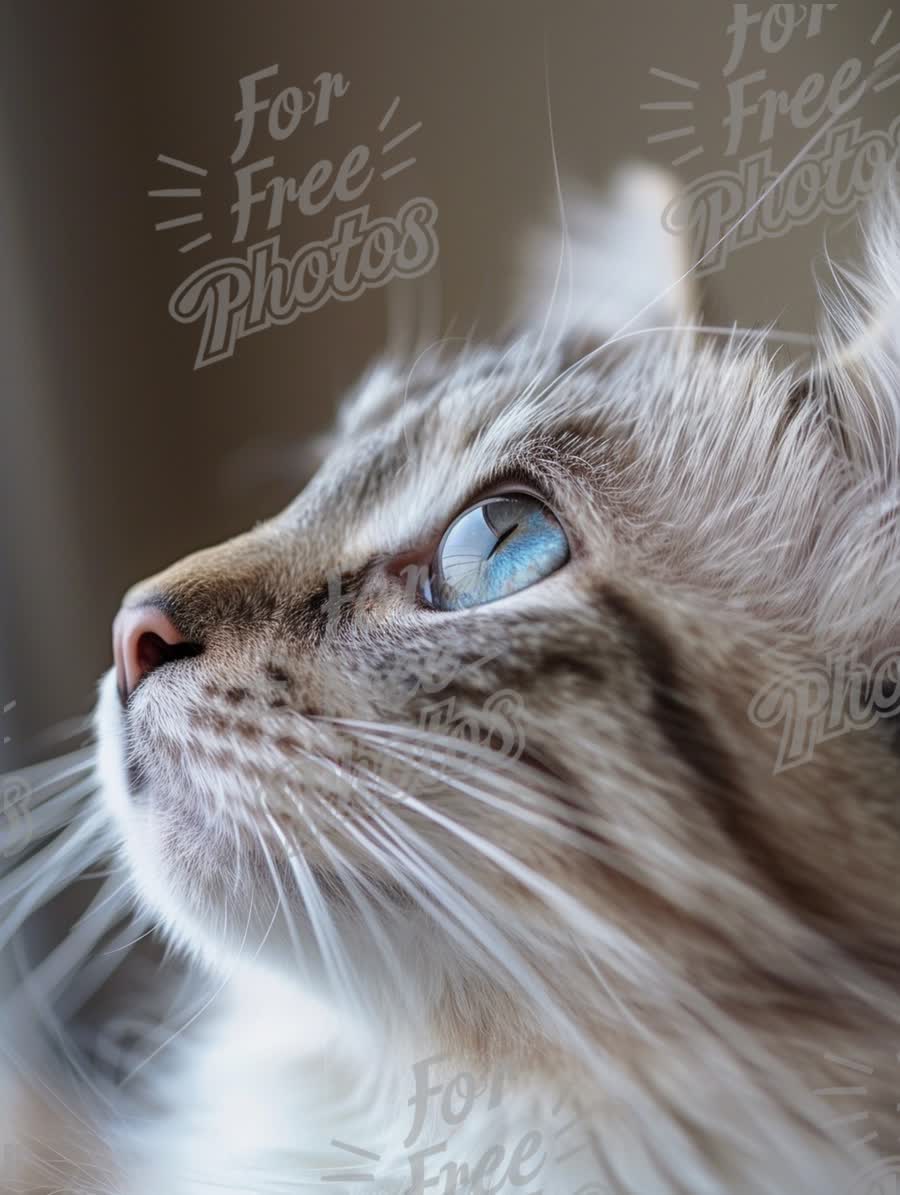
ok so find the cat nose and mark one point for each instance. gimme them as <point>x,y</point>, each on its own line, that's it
<point>144,637</point>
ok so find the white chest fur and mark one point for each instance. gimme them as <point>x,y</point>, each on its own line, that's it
<point>276,1096</point>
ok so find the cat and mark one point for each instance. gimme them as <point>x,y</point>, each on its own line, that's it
<point>455,776</point>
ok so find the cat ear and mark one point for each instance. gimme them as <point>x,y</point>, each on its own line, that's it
<point>855,377</point>
<point>614,265</point>
<point>851,392</point>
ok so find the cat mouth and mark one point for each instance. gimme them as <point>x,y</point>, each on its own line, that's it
<point>214,750</point>
<point>137,778</point>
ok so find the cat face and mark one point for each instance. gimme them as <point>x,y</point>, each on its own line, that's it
<point>531,791</point>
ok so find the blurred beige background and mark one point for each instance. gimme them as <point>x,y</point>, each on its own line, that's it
<point>116,456</point>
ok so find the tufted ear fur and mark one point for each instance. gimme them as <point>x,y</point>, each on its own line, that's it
<point>852,386</point>
<point>855,376</point>
<point>609,267</point>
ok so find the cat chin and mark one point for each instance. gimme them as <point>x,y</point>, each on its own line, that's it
<point>186,897</point>
<point>111,769</point>
<point>174,900</point>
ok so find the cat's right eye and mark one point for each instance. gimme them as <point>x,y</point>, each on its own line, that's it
<point>499,546</point>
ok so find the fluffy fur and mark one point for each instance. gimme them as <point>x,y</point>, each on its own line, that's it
<point>602,896</point>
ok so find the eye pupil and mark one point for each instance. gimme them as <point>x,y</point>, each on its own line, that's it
<point>504,535</point>
<point>495,548</point>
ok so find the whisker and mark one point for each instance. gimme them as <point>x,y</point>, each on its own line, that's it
<point>182,1029</point>
<point>323,929</point>
<point>281,897</point>
<point>38,984</point>
<point>53,867</point>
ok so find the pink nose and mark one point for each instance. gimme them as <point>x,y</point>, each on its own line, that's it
<point>143,639</point>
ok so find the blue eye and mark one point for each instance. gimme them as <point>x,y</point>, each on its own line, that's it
<point>496,548</point>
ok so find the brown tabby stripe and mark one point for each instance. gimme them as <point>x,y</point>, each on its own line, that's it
<point>694,741</point>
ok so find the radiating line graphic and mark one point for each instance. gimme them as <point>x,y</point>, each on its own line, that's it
<point>883,24</point>
<point>679,105</point>
<point>396,140</point>
<point>179,165</point>
<point>181,193</point>
<point>670,78</point>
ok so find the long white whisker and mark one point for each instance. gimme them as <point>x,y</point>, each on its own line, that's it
<point>281,897</point>
<point>199,1013</point>
<point>590,1051</point>
<point>320,919</point>
<point>48,868</point>
<point>364,896</point>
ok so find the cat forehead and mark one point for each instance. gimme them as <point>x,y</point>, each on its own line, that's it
<point>412,435</point>
<point>483,405</point>
<point>433,389</point>
<point>489,403</point>
<point>414,445</point>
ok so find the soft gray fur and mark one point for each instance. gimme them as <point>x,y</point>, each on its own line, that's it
<point>612,890</point>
